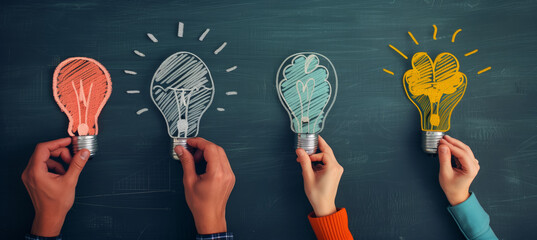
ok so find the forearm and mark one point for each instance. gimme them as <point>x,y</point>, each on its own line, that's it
<point>472,219</point>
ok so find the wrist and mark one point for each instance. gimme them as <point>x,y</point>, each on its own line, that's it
<point>458,198</point>
<point>325,210</point>
<point>47,225</point>
<point>210,224</point>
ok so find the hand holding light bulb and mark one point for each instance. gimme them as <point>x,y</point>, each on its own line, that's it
<point>435,89</point>
<point>322,179</point>
<point>456,180</point>
<point>50,186</point>
<point>207,194</point>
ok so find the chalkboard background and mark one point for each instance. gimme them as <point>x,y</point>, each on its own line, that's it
<point>133,190</point>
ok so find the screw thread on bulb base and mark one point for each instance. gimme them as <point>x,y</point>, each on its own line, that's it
<point>178,142</point>
<point>308,142</point>
<point>85,142</point>
<point>429,141</point>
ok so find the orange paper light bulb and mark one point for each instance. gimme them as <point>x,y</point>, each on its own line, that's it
<point>81,87</point>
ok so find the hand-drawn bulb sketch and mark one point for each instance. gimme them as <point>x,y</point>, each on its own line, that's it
<point>182,89</point>
<point>81,87</point>
<point>435,88</point>
<point>307,87</point>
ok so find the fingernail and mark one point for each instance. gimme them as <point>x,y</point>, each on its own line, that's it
<point>442,150</point>
<point>179,151</point>
<point>84,155</point>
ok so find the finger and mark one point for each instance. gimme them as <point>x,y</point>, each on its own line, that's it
<point>323,146</point>
<point>444,158</point>
<point>199,143</point>
<point>189,167</point>
<point>77,164</point>
<point>305,163</point>
<point>458,144</point>
<point>63,153</point>
<point>42,150</point>
<point>461,155</point>
<point>56,167</point>
<point>318,157</point>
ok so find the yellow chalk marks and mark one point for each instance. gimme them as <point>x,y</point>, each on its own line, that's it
<point>484,70</point>
<point>470,53</point>
<point>435,30</point>
<point>455,34</point>
<point>435,88</point>
<point>387,71</point>
<point>412,36</point>
<point>397,50</point>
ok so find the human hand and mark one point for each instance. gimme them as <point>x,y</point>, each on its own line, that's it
<point>51,188</point>
<point>455,178</point>
<point>321,180</point>
<point>207,194</point>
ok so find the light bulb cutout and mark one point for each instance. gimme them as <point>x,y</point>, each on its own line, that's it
<point>435,88</point>
<point>307,87</point>
<point>182,88</point>
<point>81,87</point>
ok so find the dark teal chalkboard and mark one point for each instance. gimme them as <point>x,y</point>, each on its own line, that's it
<point>133,190</point>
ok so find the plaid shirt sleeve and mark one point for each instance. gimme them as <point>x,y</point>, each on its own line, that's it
<point>34,237</point>
<point>216,236</point>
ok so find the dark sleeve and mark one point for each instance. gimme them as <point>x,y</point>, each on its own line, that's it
<point>34,237</point>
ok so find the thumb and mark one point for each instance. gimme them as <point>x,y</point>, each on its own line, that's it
<point>444,158</point>
<point>305,163</point>
<point>77,164</point>
<point>187,161</point>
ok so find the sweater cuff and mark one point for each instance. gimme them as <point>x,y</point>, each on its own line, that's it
<point>471,218</point>
<point>334,226</point>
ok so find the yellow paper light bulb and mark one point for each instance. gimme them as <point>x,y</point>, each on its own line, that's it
<point>435,88</point>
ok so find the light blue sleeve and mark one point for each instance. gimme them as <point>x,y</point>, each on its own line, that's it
<point>472,219</point>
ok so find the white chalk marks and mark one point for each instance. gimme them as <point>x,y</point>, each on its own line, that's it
<point>220,109</point>
<point>231,69</point>
<point>217,51</point>
<point>139,53</point>
<point>204,34</point>
<point>133,91</point>
<point>231,93</point>
<point>182,88</point>
<point>130,72</point>
<point>143,110</point>
<point>180,29</point>
<point>152,37</point>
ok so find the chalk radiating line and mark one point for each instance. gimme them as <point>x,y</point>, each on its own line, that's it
<point>231,69</point>
<point>139,53</point>
<point>220,48</point>
<point>412,36</point>
<point>204,34</point>
<point>180,29</point>
<point>387,71</point>
<point>152,37</point>
<point>220,109</point>
<point>133,91</point>
<point>435,30</point>
<point>397,50</point>
<point>231,93</point>
<point>143,110</point>
<point>484,70</point>
<point>455,34</point>
<point>470,53</point>
<point>130,72</point>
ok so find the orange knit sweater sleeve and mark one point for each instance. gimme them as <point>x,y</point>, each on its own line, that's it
<point>331,227</point>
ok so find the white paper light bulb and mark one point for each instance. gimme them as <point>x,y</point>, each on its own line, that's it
<point>182,88</point>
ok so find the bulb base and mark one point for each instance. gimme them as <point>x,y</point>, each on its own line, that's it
<point>429,141</point>
<point>178,142</point>
<point>308,142</point>
<point>85,142</point>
